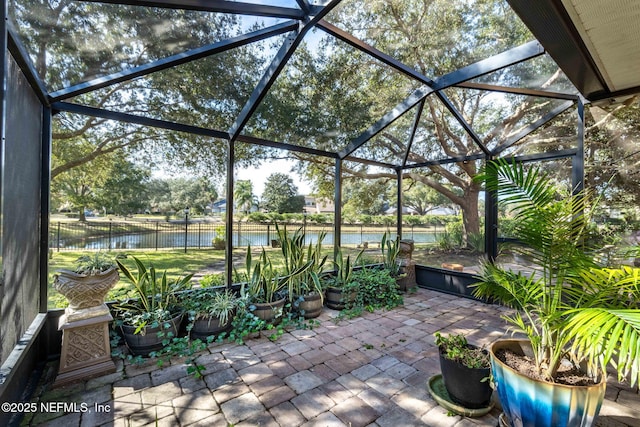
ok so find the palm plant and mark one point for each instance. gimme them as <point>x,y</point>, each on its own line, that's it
<point>568,306</point>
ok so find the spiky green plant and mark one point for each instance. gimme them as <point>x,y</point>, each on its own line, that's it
<point>156,294</point>
<point>302,264</point>
<point>390,249</point>
<point>568,306</point>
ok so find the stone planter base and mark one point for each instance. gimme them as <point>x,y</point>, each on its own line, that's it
<point>86,351</point>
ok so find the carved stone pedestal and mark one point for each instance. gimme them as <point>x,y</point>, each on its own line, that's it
<point>407,265</point>
<point>86,351</point>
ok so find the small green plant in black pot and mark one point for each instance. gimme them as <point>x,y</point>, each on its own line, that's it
<point>465,371</point>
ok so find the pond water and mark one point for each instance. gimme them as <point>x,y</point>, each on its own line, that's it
<point>202,239</point>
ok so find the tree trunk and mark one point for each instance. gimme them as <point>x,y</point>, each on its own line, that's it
<point>470,215</point>
<point>83,218</point>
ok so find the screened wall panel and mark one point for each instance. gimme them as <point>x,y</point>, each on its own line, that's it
<point>21,179</point>
<point>72,42</point>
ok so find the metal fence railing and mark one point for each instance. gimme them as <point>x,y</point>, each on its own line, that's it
<point>108,235</point>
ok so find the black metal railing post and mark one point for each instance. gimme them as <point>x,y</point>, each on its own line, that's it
<point>110,231</point>
<point>157,227</point>
<point>58,238</point>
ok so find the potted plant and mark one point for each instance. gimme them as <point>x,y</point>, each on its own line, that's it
<point>341,290</point>
<point>465,371</point>
<point>303,267</point>
<point>390,249</point>
<point>86,287</point>
<point>152,318</point>
<point>218,241</point>
<point>211,310</point>
<point>262,287</point>
<point>570,310</point>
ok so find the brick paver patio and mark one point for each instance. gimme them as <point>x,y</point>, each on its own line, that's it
<point>368,371</point>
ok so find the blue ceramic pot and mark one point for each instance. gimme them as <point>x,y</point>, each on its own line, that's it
<point>533,403</point>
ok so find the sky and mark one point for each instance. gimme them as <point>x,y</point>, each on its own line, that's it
<point>258,176</point>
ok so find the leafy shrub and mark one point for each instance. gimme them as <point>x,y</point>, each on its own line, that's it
<point>320,218</point>
<point>476,242</point>
<point>212,280</point>
<point>413,220</point>
<point>376,289</point>
<point>258,217</point>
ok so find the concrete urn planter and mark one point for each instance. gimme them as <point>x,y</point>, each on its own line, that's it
<point>86,349</point>
<point>85,292</point>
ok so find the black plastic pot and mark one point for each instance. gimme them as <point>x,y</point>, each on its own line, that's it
<point>465,385</point>
<point>142,344</point>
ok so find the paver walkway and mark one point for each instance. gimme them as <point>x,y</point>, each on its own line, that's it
<point>369,371</point>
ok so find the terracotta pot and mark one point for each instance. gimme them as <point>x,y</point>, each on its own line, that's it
<point>336,300</point>
<point>535,403</point>
<point>464,384</point>
<point>269,311</point>
<point>142,344</point>
<point>312,305</point>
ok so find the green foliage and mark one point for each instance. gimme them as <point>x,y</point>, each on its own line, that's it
<point>320,218</point>
<point>476,242</point>
<point>302,266</point>
<point>212,280</point>
<point>568,306</point>
<point>279,194</point>
<point>451,239</point>
<point>377,288</point>
<point>156,295</point>
<point>456,348</point>
<point>219,241</point>
<point>209,303</point>
<point>97,262</point>
<point>246,324</point>
<point>344,268</point>
<point>243,195</point>
<point>390,250</point>
<point>263,280</point>
<point>258,217</point>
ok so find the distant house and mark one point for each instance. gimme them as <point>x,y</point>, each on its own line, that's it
<point>219,207</point>
<point>316,205</point>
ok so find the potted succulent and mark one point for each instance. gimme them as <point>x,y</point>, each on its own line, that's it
<point>575,315</point>
<point>86,287</point>
<point>151,319</point>
<point>262,287</point>
<point>465,371</point>
<point>303,266</point>
<point>341,289</point>
<point>210,310</point>
<point>390,249</point>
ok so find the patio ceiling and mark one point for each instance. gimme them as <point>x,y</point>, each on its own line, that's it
<point>595,42</point>
<point>288,24</point>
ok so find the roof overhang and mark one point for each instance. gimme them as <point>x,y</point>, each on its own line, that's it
<point>596,43</point>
